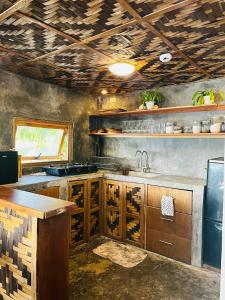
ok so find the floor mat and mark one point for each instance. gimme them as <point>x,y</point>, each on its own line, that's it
<point>123,255</point>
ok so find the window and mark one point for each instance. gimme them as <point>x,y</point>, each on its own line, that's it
<point>42,141</point>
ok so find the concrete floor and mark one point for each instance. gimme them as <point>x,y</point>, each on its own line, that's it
<point>92,277</point>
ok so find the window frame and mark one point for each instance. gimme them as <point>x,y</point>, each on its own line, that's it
<point>67,126</point>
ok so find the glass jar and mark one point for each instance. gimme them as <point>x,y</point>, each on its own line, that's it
<point>169,127</point>
<point>196,128</point>
<point>206,126</point>
<point>215,126</point>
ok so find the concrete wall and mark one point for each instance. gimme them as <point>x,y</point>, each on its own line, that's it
<point>24,97</point>
<point>187,157</point>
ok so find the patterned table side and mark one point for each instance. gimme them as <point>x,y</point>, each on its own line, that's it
<point>18,242</point>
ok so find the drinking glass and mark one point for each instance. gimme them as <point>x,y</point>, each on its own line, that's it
<point>162,127</point>
<point>125,126</point>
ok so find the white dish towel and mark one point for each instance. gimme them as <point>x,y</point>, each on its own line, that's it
<point>167,206</point>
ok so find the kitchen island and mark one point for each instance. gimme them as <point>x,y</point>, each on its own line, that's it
<point>34,243</point>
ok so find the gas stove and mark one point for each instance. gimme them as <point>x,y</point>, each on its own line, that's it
<point>69,169</point>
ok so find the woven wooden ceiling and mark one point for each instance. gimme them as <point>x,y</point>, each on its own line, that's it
<point>72,42</point>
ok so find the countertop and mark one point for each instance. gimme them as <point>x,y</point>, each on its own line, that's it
<point>13,195</point>
<point>181,182</point>
<point>38,206</point>
<point>38,178</point>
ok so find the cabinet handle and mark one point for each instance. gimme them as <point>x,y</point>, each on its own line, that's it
<point>165,219</point>
<point>164,242</point>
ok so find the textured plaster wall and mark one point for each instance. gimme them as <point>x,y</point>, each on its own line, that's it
<point>24,97</point>
<point>187,157</point>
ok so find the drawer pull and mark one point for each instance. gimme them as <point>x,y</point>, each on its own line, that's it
<point>164,242</point>
<point>165,219</point>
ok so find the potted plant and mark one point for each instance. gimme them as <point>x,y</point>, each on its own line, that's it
<point>151,98</point>
<point>206,97</point>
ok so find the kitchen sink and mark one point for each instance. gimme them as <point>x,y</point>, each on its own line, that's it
<point>143,174</point>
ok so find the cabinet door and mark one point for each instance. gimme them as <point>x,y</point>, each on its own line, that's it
<point>78,194</point>
<point>77,191</point>
<point>133,218</point>
<point>94,208</point>
<point>52,191</point>
<point>113,209</point>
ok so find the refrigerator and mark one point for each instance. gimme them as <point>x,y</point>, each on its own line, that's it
<point>213,213</point>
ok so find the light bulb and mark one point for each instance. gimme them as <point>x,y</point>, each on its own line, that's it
<point>121,69</point>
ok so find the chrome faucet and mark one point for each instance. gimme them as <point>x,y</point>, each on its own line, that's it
<point>143,165</point>
<point>140,159</point>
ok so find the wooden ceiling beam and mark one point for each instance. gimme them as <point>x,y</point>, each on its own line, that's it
<point>20,4</point>
<point>157,33</point>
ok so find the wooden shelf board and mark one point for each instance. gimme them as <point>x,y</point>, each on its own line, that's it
<point>166,110</point>
<point>163,135</point>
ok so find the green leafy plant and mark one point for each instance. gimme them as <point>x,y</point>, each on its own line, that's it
<point>152,96</point>
<point>198,97</point>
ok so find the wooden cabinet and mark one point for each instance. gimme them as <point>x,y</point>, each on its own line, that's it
<point>123,211</point>
<point>169,236</point>
<point>113,209</point>
<point>86,217</point>
<point>52,191</point>
<point>78,195</point>
<point>133,229</point>
<point>94,208</point>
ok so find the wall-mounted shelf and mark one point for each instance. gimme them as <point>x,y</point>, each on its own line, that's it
<point>162,135</point>
<point>167,110</point>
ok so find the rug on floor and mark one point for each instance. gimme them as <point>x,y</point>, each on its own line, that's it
<point>124,255</point>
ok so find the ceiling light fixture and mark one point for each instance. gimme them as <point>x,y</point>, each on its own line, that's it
<point>104,92</point>
<point>121,69</point>
<point>166,57</point>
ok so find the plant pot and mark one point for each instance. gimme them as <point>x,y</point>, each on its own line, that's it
<point>149,104</point>
<point>207,100</point>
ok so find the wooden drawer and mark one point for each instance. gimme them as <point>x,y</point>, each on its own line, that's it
<point>169,245</point>
<point>182,199</point>
<point>180,224</point>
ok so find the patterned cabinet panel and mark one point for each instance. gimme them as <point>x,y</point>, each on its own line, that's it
<point>94,223</point>
<point>94,193</point>
<point>113,193</point>
<point>113,223</point>
<point>133,229</point>
<point>18,243</point>
<point>113,209</point>
<point>77,228</point>
<point>133,198</point>
<point>78,193</point>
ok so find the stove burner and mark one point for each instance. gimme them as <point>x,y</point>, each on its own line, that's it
<point>69,169</point>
